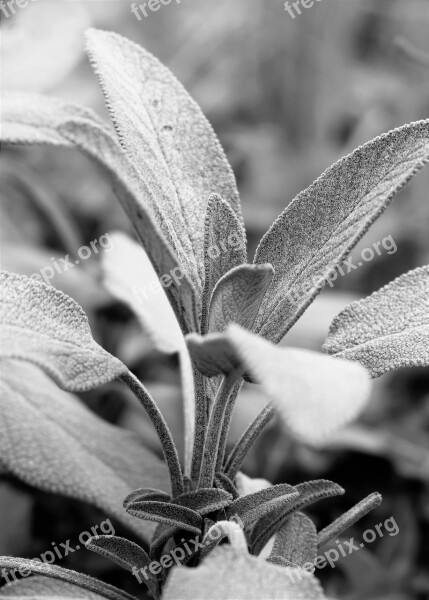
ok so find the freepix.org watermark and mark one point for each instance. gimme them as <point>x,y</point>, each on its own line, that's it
<point>60,551</point>
<point>57,267</point>
<point>8,7</point>
<point>294,8</point>
<point>344,548</point>
<point>142,10</point>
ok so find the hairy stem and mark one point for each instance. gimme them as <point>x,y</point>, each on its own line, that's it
<point>201,410</point>
<point>168,446</point>
<point>226,425</point>
<point>214,431</point>
<point>238,454</point>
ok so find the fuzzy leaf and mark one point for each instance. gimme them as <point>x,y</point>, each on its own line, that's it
<point>204,500</point>
<point>224,248</point>
<point>71,451</point>
<point>223,482</point>
<point>142,494</point>
<point>44,326</point>
<point>238,296</point>
<point>319,228</point>
<point>296,541</point>
<point>311,408</point>
<point>58,575</point>
<point>253,506</point>
<point>216,579</point>
<point>82,131</point>
<point>131,278</point>
<point>39,587</point>
<point>387,330</point>
<point>170,514</point>
<point>126,554</point>
<point>166,136</point>
<point>309,492</point>
<point>350,517</point>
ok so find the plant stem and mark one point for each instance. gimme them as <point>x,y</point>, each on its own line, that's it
<point>201,410</point>
<point>211,445</point>
<point>242,447</point>
<point>168,446</point>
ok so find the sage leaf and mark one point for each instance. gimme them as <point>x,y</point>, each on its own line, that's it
<point>44,326</point>
<point>126,554</point>
<point>71,451</point>
<point>296,541</point>
<point>238,296</point>
<point>310,408</point>
<point>387,330</point>
<point>166,136</point>
<point>224,248</point>
<point>320,227</point>
<point>223,482</point>
<point>350,517</point>
<point>251,507</point>
<point>216,578</point>
<point>40,587</point>
<point>205,500</point>
<point>59,575</point>
<point>309,492</point>
<point>168,513</point>
<point>82,131</point>
<point>146,494</point>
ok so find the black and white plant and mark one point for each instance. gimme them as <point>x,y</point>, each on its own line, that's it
<point>223,317</point>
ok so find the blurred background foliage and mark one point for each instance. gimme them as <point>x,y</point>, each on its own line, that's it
<point>287,97</point>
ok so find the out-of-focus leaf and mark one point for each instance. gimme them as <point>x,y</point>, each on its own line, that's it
<point>131,278</point>
<point>40,47</point>
<point>217,578</point>
<point>238,296</point>
<point>58,580</point>
<point>296,541</point>
<point>39,587</point>
<point>224,247</point>
<point>319,228</point>
<point>71,451</point>
<point>249,485</point>
<point>314,394</point>
<point>389,329</point>
<point>170,142</point>
<point>33,119</point>
<point>44,326</point>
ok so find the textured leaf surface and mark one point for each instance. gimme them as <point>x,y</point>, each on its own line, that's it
<point>39,587</point>
<point>59,576</point>
<point>204,500</point>
<point>217,578</point>
<point>82,130</point>
<point>169,514</point>
<point>224,247</point>
<point>252,506</point>
<point>44,326</point>
<point>309,493</point>
<point>318,229</point>
<point>296,541</point>
<point>71,451</point>
<point>387,330</point>
<point>238,296</point>
<point>167,138</point>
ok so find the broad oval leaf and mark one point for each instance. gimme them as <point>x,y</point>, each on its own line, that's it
<point>319,228</point>
<point>296,541</point>
<point>71,451</point>
<point>167,138</point>
<point>42,325</point>
<point>90,587</point>
<point>216,579</point>
<point>387,330</point>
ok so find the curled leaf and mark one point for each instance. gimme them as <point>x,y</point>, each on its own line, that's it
<point>142,494</point>
<point>204,500</point>
<point>387,330</point>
